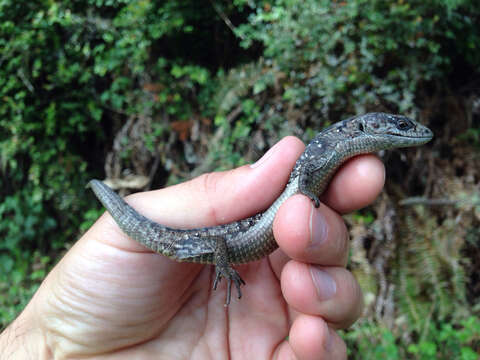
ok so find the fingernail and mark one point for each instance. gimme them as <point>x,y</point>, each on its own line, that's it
<point>324,283</point>
<point>318,227</point>
<point>265,157</point>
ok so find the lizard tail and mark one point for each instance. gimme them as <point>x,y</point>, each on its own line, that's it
<point>177,244</point>
<point>135,225</point>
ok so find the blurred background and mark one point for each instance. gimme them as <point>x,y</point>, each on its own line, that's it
<point>148,93</point>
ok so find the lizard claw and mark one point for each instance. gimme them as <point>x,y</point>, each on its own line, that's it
<point>229,274</point>
<point>316,201</point>
<point>313,197</point>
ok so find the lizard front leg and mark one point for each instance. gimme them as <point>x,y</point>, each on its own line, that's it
<point>305,179</point>
<point>224,269</point>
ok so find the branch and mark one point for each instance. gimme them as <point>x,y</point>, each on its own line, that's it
<point>225,19</point>
<point>424,201</point>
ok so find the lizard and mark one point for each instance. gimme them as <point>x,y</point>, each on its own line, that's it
<point>252,238</point>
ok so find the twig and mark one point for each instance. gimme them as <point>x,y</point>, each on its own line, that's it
<point>424,201</point>
<point>234,113</point>
<point>153,171</point>
<point>25,81</point>
<point>226,20</point>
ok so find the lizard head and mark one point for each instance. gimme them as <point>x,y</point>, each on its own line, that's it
<point>393,130</point>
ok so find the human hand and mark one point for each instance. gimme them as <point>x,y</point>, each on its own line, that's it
<point>111,298</point>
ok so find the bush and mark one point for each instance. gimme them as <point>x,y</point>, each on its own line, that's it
<point>85,81</point>
<point>71,74</point>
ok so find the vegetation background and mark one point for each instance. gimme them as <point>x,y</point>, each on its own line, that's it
<point>149,93</point>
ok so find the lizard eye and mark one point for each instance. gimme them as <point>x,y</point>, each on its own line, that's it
<point>403,125</point>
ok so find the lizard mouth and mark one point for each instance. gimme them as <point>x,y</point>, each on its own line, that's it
<point>411,140</point>
<point>423,137</point>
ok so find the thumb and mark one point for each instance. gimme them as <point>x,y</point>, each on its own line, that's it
<point>221,197</point>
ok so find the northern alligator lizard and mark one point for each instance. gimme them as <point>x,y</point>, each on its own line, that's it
<point>252,238</point>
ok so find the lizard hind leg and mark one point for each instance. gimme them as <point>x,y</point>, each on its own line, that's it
<point>225,270</point>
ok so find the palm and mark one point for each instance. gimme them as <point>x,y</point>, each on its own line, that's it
<point>110,297</point>
<point>157,306</point>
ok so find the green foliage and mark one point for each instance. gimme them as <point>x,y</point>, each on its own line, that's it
<point>364,217</point>
<point>73,73</point>
<point>449,342</point>
<point>430,275</point>
<point>369,341</point>
<point>237,131</point>
<point>354,55</point>
<point>44,117</point>
<point>445,341</point>
<point>67,71</point>
<point>326,60</point>
<point>19,279</point>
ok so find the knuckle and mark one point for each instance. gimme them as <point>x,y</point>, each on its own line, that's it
<point>209,186</point>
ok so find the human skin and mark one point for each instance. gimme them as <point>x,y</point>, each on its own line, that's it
<point>112,298</point>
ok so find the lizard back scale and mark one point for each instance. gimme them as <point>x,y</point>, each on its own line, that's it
<point>252,238</point>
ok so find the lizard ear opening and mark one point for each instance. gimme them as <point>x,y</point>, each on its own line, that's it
<point>360,127</point>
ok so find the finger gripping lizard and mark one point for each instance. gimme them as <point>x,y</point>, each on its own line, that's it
<point>252,238</point>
